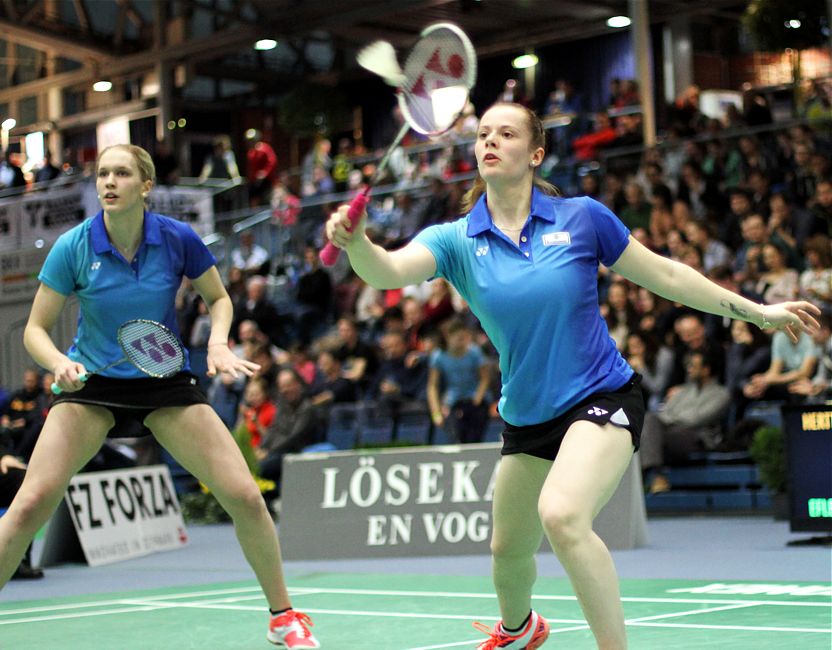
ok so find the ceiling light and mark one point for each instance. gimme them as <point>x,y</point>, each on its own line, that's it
<point>618,21</point>
<point>524,61</point>
<point>265,44</point>
<point>102,86</point>
<point>792,24</point>
<point>8,124</point>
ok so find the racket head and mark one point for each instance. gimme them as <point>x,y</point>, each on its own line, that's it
<point>152,347</point>
<point>439,73</point>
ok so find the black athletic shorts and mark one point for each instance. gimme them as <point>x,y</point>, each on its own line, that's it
<point>624,407</point>
<point>132,400</point>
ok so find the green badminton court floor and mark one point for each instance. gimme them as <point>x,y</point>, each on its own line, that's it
<point>394,612</point>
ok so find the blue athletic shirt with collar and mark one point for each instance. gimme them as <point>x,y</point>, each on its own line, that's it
<point>538,302</point>
<point>112,290</point>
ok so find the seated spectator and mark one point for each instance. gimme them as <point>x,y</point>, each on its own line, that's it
<point>691,336</point>
<point>295,426</point>
<point>748,260</point>
<point>256,306</point>
<point>588,146</point>
<point>439,305</point>
<point>619,312</point>
<point>714,252</point>
<point>822,208</point>
<point>790,362</point>
<point>749,354</point>
<point>791,224</point>
<point>249,256</point>
<point>458,381</point>
<point>22,420</point>
<point>257,411</point>
<point>359,360</point>
<point>314,296</point>
<point>699,192</point>
<point>398,379</point>
<point>653,361</point>
<point>332,387</point>
<point>688,422</point>
<point>819,388</point>
<point>636,213</point>
<point>816,281</point>
<point>779,283</point>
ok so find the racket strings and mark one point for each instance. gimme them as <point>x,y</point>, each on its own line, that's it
<point>441,59</point>
<point>151,347</point>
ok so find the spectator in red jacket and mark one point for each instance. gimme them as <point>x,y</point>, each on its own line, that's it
<point>586,146</point>
<point>261,163</point>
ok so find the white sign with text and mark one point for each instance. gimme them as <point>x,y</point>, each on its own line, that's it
<point>125,513</point>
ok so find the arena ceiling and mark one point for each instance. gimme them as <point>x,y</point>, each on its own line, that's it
<point>317,38</point>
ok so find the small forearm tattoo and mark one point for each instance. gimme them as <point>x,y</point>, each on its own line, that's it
<point>739,312</point>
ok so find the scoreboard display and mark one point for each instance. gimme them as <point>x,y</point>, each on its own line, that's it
<point>808,438</point>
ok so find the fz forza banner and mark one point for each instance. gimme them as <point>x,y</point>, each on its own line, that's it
<point>125,513</point>
<point>411,502</point>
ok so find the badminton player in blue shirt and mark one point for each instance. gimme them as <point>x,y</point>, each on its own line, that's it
<point>122,264</point>
<point>526,262</point>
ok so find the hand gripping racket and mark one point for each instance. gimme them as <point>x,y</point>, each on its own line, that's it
<point>150,346</point>
<point>432,91</point>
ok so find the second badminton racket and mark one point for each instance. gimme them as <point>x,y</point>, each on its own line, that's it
<point>432,92</point>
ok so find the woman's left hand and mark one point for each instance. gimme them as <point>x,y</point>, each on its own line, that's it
<point>791,317</point>
<point>222,359</point>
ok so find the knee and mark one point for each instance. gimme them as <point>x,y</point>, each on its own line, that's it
<point>245,501</point>
<point>563,522</point>
<point>32,507</point>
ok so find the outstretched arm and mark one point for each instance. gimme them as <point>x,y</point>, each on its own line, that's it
<point>680,283</point>
<point>378,267</point>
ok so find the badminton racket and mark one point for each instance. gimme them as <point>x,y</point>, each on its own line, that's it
<point>149,346</point>
<point>432,91</point>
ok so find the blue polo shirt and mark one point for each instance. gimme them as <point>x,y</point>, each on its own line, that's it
<point>112,290</point>
<point>538,302</point>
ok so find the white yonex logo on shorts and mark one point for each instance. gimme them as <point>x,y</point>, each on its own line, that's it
<point>482,250</point>
<point>620,418</point>
<point>596,411</point>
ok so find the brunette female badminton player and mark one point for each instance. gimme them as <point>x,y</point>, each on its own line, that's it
<point>127,263</point>
<point>526,262</point>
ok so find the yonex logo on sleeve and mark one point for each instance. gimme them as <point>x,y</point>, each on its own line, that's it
<point>482,250</point>
<point>596,411</point>
<point>95,266</point>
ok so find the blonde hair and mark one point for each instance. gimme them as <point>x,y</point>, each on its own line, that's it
<point>147,170</point>
<point>538,140</point>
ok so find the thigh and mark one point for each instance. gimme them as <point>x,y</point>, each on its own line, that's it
<point>202,444</point>
<point>71,435</point>
<point>589,466</point>
<point>516,525</point>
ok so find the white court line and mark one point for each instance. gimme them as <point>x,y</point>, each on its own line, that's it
<point>745,628</point>
<point>708,610</point>
<point>303,591</point>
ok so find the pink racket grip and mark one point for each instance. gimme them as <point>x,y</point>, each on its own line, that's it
<point>329,253</point>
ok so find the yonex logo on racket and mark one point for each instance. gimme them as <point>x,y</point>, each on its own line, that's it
<point>597,411</point>
<point>159,352</point>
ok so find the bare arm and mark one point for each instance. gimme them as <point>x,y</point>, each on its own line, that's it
<point>680,283</point>
<point>378,267</point>
<point>38,341</point>
<point>434,400</point>
<point>220,358</point>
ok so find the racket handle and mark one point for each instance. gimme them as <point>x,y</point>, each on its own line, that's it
<point>329,253</point>
<point>56,390</point>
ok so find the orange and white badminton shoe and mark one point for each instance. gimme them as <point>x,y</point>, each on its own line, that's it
<point>532,636</point>
<point>291,630</point>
